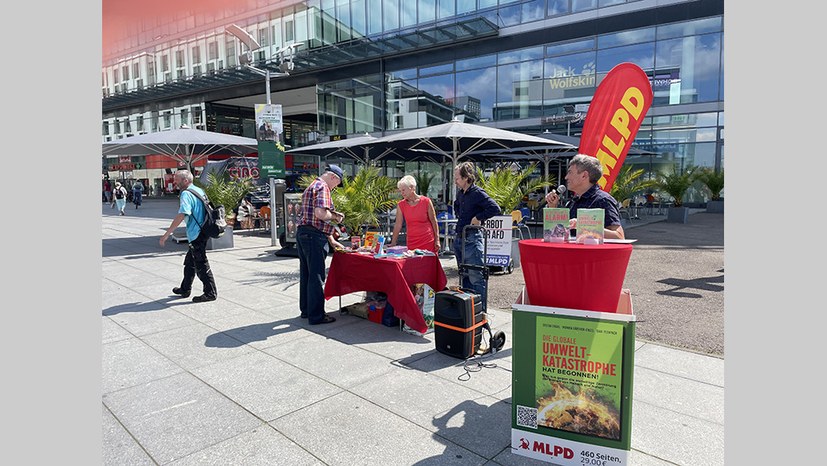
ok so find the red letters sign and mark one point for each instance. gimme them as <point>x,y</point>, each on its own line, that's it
<point>619,105</point>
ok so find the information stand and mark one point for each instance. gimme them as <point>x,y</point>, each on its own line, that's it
<point>572,384</point>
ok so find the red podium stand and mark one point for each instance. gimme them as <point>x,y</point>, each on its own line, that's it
<point>574,276</point>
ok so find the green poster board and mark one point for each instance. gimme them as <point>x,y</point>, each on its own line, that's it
<point>270,159</point>
<point>572,385</point>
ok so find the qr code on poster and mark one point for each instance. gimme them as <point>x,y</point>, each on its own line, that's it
<point>526,417</point>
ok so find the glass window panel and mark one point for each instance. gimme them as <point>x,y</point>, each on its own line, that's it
<point>390,15</point>
<point>426,10</point>
<point>404,74</point>
<point>519,90</point>
<point>474,86</point>
<point>431,70</point>
<point>693,66</point>
<point>642,55</point>
<point>635,36</point>
<point>357,15</point>
<point>509,16</point>
<point>476,62</point>
<point>464,6</point>
<point>511,56</point>
<point>534,10</point>
<point>343,17</point>
<point>582,5</point>
<point>445,8</point>
<point>686,28</point>
<point>568,79</point>
<point>301,26</point>
<point>603,3</point>
<point>375,16</point>
<point>408,13</point>
<point>487,3</point>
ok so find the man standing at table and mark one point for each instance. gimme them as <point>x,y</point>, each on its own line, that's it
<point>581,179</point>
<point>314,237</point>
<point>472,207</point>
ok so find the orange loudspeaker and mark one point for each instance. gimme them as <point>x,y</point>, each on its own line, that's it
<point>458,322</point>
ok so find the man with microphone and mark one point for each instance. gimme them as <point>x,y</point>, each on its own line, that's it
<point>581,179</point>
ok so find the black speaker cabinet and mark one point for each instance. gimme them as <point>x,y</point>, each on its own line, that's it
<point>458,321</point>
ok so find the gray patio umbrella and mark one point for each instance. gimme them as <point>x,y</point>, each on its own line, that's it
<point>455,140</point>
<point>356,148</point>
<point>183,145</point>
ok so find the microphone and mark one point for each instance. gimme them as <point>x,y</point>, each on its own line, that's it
<point>560,191</point>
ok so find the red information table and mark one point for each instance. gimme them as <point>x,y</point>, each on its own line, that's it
<point>352,272</point>
<point>574,276</point>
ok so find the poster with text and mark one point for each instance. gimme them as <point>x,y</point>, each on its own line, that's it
<point>498,234</point>
<point>572,385</point>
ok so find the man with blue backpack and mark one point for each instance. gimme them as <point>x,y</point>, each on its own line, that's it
<point>194,212</point>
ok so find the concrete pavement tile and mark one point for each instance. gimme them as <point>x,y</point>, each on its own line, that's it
<point>638,458</point>
<point>120,298</point>
<point>264,385</point>
<point>506,458</point>
<point>690,397</point>
<point>211,310</point>
<point>332,360</point>
<point>389,342</point>
<point>131,362</point>
<point>179,415</point>
<point>196,345</point>
<point>262,446</point>
<point>414,395</point>
<point>492,381</point>
<point>259,330</point>
<point>348,430</point>
<point>686,364</point>
<point>482,425</point>
<point>111,331</point>
<point>119,447</point>
<point>254,298</point>
<point>676,437</point>
<point>147,318</point>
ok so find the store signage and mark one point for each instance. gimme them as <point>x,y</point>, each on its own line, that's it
<point>126,166</point>
<point>270,150</point>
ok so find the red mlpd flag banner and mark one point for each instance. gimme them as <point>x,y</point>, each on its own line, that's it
<point>619,105</point>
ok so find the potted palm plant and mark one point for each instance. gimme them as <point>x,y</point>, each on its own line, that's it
<point>508,187</point>
<point>628,183</point>
<point>228,192</point>
<point>675,184</point>
<point>714,182</point>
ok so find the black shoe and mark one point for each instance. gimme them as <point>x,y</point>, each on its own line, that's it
<point>181,293</point>
<point>326,320</point>
<point>203,298</point>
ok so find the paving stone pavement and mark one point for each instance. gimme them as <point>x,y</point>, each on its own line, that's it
<point>243,380</point>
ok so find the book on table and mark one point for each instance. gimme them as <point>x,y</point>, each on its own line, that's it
<point>590,226</point>
<point>555,225</point>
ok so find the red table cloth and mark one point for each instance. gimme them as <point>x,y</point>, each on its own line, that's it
<point>574,276</point>
<point>352,272</point>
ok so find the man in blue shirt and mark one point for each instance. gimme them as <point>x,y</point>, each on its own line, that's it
<point>472,207</point>
<point>581,179</point>
<point>192,210</point>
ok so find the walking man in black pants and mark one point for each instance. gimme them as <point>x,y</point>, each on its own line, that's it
<point>195,263</point>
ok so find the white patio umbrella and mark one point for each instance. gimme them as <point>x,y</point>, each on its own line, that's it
<point>184,145</point>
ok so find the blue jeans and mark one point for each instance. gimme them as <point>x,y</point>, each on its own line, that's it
<point>313,247</point>
<point>472,254</point>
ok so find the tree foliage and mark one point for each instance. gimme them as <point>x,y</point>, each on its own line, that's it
<point>677,183</point>
<point>628,184</point>
<point>714,182</point>
<point>508,187</point>
<point>226,191</point>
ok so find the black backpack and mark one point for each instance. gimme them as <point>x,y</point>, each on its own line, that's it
<point>214,222</point>
<point>119,193</point>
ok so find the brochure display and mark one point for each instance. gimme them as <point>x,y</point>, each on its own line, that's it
<point>555,225</point>
<point>572,385</point>
<point>590,226</point>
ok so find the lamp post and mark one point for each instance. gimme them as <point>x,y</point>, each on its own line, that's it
<point>285,66</point>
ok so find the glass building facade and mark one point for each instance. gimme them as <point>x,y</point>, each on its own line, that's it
<point>379,66</point>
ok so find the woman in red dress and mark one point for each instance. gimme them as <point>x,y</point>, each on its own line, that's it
<point>420,218</point>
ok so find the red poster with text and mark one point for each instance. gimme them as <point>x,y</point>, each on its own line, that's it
<point>619,105</point>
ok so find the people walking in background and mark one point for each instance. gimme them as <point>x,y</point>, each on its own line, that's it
<point>313,239</point>
<point>581,179</point>
<point>472,207</point>
<point>120,197</point>
<point>137,193</point>
<point>107,191</point>
<point>196,263</point>
<point>418,212</point>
